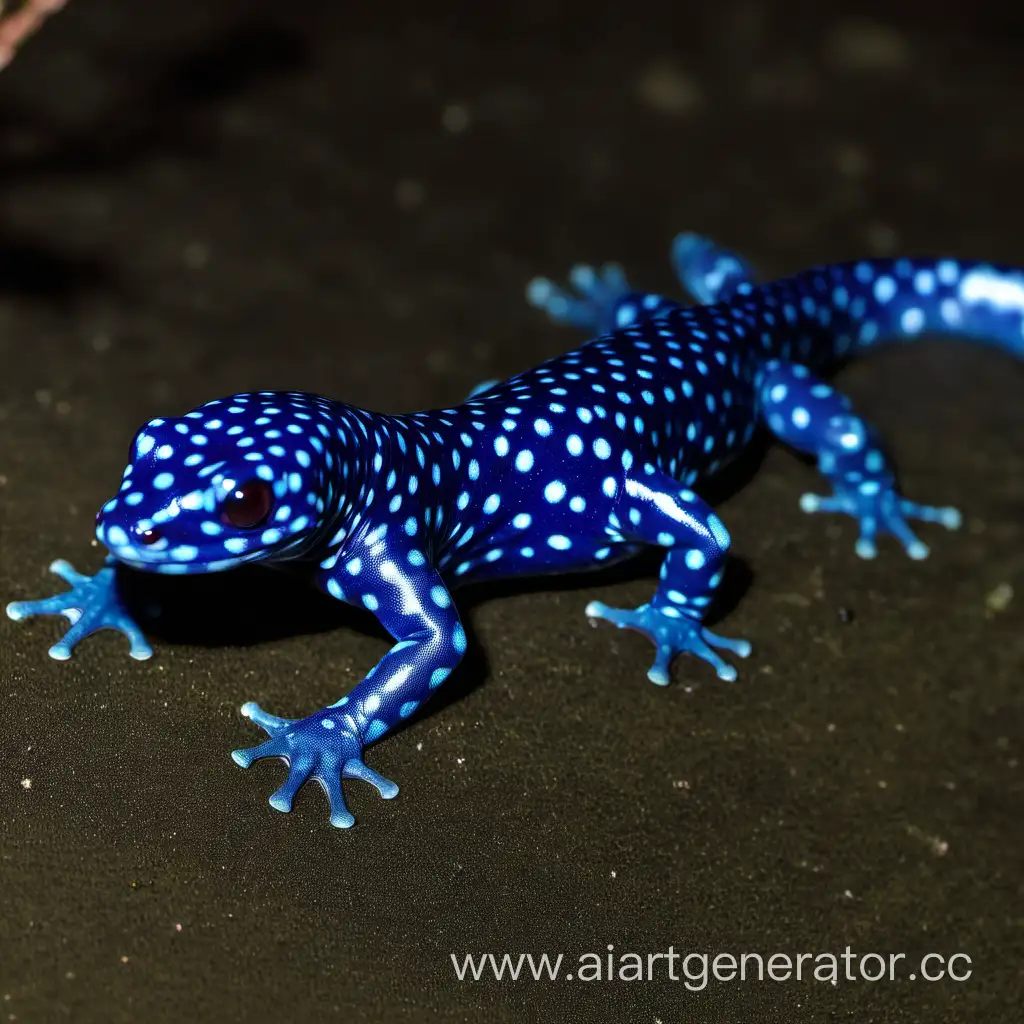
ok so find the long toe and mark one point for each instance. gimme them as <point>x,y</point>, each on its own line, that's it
<point>356,769</point>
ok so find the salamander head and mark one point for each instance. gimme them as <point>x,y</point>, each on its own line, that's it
<point>238,480</point>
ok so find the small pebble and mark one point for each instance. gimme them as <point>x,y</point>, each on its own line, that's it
<point>999,598</point>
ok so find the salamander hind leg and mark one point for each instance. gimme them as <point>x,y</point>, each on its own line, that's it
<point>657,510</point>
<point>811,416</point>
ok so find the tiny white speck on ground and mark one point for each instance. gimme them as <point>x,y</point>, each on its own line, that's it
<point>196,255</point>
<point>938,846</point>
<point>848,894</point>
<point>455,118</point>
<point>460,760</point>
<point>851,161</point>
<point>26,783</point>
<point>666,89</point>
<point>614,874</point>
<point>999,598</point>
<point>409,194</point>
<point>881,239</point>
<point>866,46</point>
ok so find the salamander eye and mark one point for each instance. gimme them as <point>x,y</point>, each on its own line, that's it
<point>150,536</point>
<point>248,505</point>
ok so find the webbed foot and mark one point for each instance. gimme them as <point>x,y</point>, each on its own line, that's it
<point>93,603</point>
<point>672,633</point>
<point>325,746</point>
<point>600,304</point>
<point>878,510</point>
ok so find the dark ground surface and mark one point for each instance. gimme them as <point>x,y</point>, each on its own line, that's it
<point>197,199</point>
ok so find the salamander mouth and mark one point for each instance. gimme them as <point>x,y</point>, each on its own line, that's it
<point>198,567</point>
<point>173,558</point>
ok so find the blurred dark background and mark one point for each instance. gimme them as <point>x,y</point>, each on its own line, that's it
<point>203,198</point>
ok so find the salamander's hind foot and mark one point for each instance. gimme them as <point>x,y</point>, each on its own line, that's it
<point>602,303</point>
<point>672,633</point>
<point>813,417</point>
<point>879,510</point>
<point>93,603</point>
<point>709,272</point>
<point>326,746</point>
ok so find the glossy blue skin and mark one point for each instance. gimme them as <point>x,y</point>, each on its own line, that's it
<point>576,464</point>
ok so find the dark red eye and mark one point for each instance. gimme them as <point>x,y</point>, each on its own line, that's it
<point>248,505</point>
<point>150,536</point>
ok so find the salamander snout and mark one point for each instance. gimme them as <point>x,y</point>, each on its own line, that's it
<point>199,495</point>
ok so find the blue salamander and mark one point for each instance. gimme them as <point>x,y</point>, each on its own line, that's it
<point>573,465</point>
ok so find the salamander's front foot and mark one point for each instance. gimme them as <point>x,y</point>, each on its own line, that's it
<point>879,509</point>
<point>599,305</point>
<point>672,633</point>
<point>93,603</point>
<point>326,746</point>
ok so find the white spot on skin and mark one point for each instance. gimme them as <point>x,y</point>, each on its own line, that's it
<point>912,320</point>
<point>1005,293</point>
<point>554,492</point>
<point>885,289</point>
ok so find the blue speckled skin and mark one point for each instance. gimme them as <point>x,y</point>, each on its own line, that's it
<point>576,464</point>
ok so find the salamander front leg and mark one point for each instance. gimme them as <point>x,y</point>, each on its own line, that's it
<point>327,746</point>
<point>709,272</point>
<point>657,510</point>
<point>412,602</point>
<point>604,301</point>
<point>93,603</point>
<point>811,416</point>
